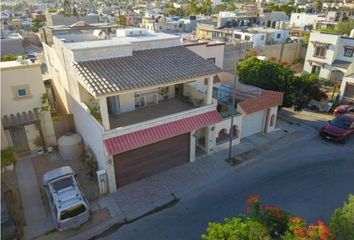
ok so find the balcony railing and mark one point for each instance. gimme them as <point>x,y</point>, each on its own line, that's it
<point>159,119</point>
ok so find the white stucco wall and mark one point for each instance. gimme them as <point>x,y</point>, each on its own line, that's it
<point>90,130</point>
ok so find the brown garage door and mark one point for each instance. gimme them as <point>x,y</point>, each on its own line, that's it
<point>151,159</point>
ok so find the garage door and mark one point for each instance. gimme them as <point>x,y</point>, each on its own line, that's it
<point>349,91</point>
<point>252,124</point>
<point>151,159</point>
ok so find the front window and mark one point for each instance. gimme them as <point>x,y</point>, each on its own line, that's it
<point>247,38</point>
<point>238,36</point>
<point>22,92</point>
<point>320,52</point>
<point>211,60</point>
<point>340,123</point>
<point>72,211</point>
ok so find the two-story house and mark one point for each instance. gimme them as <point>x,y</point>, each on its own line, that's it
<point>22,91</point>
<point>331,56</point>
<point>134,100</point>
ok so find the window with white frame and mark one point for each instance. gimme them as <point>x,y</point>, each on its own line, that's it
<point>21,91</point>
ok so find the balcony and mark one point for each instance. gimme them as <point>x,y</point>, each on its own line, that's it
<point>163,108</point>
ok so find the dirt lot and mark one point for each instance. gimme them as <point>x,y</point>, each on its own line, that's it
<point>88,183</point>
<point>9,188</point>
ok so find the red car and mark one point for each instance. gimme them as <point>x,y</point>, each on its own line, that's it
<point>343,109</point>
<point>339,128</point>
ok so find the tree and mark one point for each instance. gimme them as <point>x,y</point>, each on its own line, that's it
<point>231,8</point>
<point>66,8</point>
<point>343,27</point>
<point>342,221</point>
<point>36,25</point>
<point>220,8</point>
<point>272,75</point>
<point>121,20</point>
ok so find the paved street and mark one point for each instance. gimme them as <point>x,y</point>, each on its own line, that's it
<point>310,178</point>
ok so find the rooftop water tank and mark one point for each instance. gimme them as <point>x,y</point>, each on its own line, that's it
<point>70,146</point>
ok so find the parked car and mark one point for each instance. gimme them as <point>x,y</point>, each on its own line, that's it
<point>9,229</point>
<point>344,109</point>
<point>69,206</point>
<point>339,129</point>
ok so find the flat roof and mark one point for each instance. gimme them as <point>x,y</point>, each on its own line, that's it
<point>16,64</point>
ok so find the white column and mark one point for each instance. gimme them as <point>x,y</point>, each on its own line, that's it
<point>210,139</point>
<point>111,174</point>
<point>104,113</point>
<point>192,146</point>
<point>210,91</point>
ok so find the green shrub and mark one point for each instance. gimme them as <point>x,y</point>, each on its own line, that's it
<point>240,228</point>
<point>342,221</point>
<point>8,156</point>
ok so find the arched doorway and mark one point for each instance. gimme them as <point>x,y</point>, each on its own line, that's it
<point>269,23</point>
<point>224,136</point>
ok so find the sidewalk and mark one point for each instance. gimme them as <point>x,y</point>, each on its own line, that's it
<point>164,189</point>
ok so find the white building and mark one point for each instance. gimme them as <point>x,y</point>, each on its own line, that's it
<point>330,56</point>
<point>301,20</point>
<point>347,89</point>
<point>143,103</point>
<point>262,36</point>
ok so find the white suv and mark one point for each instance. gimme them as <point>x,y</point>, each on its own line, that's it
<point>68,204</point>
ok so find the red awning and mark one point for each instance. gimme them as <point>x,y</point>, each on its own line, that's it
<point>158,133</point>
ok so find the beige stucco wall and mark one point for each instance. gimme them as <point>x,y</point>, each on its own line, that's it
<point>291,53</point>
<point>29,76</point>
<point>210,51</point>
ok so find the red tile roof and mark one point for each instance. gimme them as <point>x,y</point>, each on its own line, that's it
<point>261,102</point>
<point>151,135</point>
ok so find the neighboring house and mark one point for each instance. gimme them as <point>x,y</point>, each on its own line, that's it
<point>134,101</point>
<point>21,91</point>
<point>260,37</point>
<point>53,19</point>
<point>305,20</point>
<point>347,89</point>
<point>256,110</point>
<point>213,52</point>
<point>330,56</point>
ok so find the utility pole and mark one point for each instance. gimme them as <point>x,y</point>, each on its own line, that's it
<point>233,113</point>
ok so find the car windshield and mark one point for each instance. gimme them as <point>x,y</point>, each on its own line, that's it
<point>72,211</point>
<point>340,123</point>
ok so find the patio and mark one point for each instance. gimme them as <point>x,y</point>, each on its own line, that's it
<point>163,108</point>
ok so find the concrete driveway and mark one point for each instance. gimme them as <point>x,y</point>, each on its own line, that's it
<point>309,178</point>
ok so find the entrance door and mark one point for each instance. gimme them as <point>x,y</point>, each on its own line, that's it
<point>19,138</point>
<point>179,90</point>
<point>32,134</point>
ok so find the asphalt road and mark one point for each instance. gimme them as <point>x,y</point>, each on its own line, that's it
<point>310,179</point>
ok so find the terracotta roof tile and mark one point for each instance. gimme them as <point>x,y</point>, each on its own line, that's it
<point>261,102</point>
<point>144,68</point>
